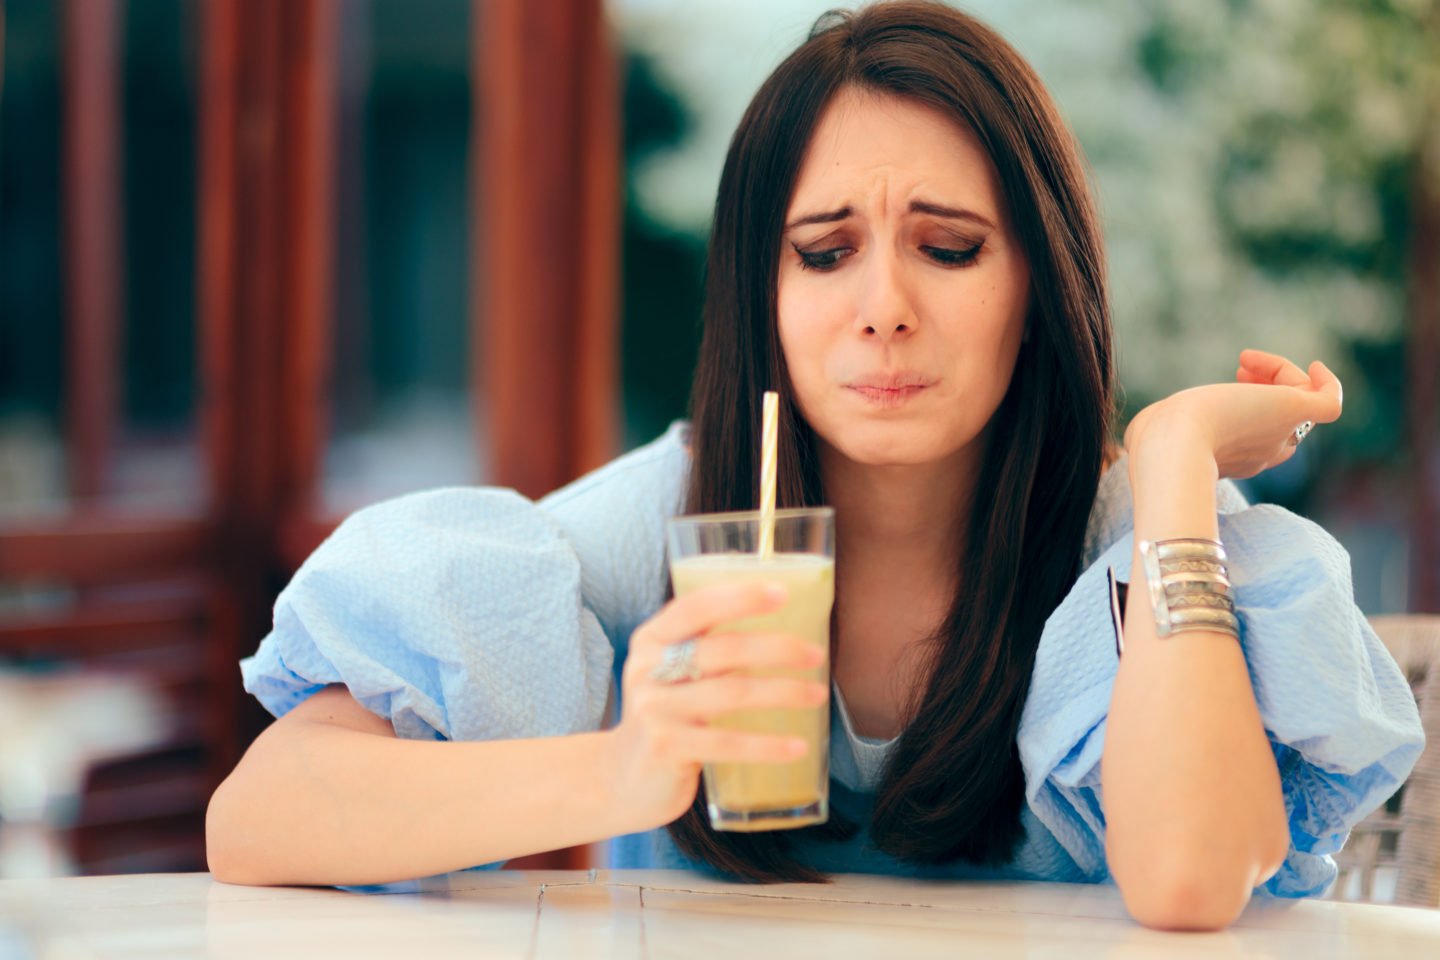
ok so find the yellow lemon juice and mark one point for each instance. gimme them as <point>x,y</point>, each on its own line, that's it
<point>772,796</point>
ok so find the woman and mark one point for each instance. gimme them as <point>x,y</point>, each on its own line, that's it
<point>904,246</point>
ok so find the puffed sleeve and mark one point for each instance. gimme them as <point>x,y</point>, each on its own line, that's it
<point>455,613</point>
<point>1339,714</point>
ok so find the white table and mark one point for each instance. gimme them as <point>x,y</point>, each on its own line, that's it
<point>659,914</point>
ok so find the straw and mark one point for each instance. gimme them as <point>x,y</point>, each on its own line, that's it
<point>767,473</point>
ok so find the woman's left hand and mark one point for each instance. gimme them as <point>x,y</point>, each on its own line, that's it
<point>1248,426</point>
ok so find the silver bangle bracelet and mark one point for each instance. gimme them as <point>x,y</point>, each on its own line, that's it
<point>1185,582</point>
<point>1196,601</point>
<point>1189,586</point>
<point>1218,621</point>
<point>1189,548</point>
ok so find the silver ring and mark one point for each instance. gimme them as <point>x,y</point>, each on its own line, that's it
<point>677,663</point>
<point>1301,432</point>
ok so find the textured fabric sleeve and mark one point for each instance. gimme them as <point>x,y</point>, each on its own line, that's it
<point>455,614</point>
<point>615,519</point>
<point>1340,717</point>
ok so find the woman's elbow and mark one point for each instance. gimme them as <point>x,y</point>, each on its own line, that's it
<point>1200,884</point>
<point>230,856</point>
<point>1185,897</point>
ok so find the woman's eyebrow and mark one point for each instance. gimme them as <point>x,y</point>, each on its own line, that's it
<point>950,213</point>
<point>916,206</point>
<point>828,217</point>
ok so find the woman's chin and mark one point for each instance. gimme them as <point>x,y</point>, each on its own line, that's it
<point>890,445</point>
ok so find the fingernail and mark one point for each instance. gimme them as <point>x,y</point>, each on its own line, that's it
<point>797,746</point>
<point>776,592</point>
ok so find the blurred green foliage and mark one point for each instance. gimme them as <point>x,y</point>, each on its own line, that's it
<point>663,269</point>
<point>1318,110</point>
<point>30,305</point>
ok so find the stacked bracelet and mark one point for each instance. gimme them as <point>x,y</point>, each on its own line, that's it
<point>1189,585</point>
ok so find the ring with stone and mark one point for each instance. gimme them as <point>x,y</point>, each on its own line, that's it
<point>677,663</point>
<point>1301,432</point>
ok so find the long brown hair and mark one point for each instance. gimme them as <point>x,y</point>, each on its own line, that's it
<point>953,787</point>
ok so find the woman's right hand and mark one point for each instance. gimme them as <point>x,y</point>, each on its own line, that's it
<point>664,735</point>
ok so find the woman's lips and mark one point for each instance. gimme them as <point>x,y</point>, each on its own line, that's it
<point>887,397</point>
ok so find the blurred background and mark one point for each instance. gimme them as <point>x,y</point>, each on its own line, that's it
<point>265,261</point>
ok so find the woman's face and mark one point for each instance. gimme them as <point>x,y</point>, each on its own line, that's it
<point>902,290</point>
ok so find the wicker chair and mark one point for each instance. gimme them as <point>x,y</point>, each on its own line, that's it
<point>1400,842</point>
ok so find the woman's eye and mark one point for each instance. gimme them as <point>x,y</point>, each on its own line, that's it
<point>821,259</point>
<point>951,257</point>
<point>825,260</point>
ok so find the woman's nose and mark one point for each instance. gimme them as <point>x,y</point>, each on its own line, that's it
<point>885,309</point>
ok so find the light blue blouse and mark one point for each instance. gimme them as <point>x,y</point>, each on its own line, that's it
<point>473,613</point>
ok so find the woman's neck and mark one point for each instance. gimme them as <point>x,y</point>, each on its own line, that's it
<point>899,518</point>
<point>899,532</point>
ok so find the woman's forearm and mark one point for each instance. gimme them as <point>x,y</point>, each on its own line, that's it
<point>319,803</point>
<point>1194,813</point>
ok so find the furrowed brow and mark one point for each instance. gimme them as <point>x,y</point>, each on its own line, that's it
<point>830,216</point>
<point>950,213</point>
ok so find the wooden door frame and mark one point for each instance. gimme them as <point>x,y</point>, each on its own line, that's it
<point>545,162</point>
<point>543,314</point>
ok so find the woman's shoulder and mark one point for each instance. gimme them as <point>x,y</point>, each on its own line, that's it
<point>454,613</point>
<point>466,534</point>
<point>615,518</point>
<point>473,612</point>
